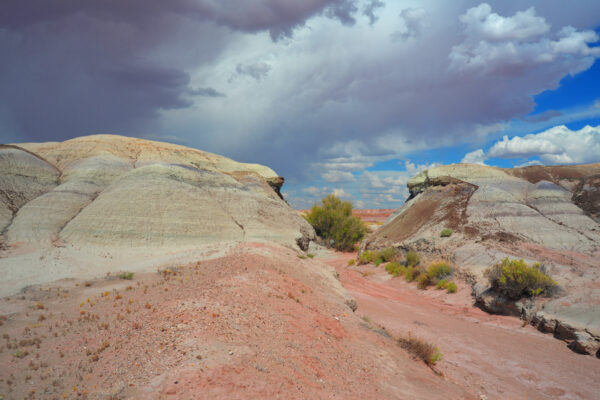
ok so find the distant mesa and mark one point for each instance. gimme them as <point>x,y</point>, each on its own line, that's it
<point>542,214</point>
<point>102,192</point>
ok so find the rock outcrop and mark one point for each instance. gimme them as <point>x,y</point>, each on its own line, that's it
<point>543,214</point>
<point>106,193</point>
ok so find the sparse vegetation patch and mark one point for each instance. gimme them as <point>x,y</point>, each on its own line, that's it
<point>126,275</point>
<point>333,221</point>
<point>446,232</point>
<point>420,349</point>
<point>515,279</point>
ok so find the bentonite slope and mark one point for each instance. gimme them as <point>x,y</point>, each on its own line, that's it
<point>106,199</point>
<point>543,214</point>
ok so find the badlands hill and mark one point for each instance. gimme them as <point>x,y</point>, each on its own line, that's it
<point>542,214</point>
<point>103,200</point>
<point>235,311</point>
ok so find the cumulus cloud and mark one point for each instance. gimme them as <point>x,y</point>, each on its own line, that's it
<point>388,188</point>
<point>557,145</point>
<point>475,157</point>
<point>341,193</point>
<point>481,22</point>
<point>333,93</point>
<point>413,21</point>
<point>512,45</point>
<point>337,176</point>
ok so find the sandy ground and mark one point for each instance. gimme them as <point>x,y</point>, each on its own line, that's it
<point>257,323</point>
<point>494,356</point>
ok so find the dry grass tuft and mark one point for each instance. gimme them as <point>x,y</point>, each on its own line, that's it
<point>420,349</point>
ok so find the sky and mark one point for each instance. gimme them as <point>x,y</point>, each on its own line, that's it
<point>350,97</point>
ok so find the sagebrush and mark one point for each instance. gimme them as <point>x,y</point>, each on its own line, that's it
<point>515,279</point>
<point>333,221</point>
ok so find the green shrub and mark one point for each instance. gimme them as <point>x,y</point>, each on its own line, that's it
<point>412,258</point>
<point>439,270</point>
<point>367,257</point>
<point>442,284</point>
<point>451,287</point>
<point>395,269</point>
<point>351,261</point>
<point>411,273</point>
<point>333,221</point>
<point>446,232</point>
<point>126,275</point>
<point>423,280</point>
<point>515,279</point>
<point>386,255</point>
<point>310,255</point>
<point>377,257</point>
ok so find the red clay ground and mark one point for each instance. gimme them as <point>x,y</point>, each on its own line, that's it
<point>493,356</point>
<point>258,323</point>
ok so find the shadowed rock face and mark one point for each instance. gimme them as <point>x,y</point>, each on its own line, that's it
<point>544,214</point>
<point>114,192</point>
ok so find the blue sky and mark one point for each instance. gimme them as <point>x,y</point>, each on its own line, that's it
<point>351,97</point>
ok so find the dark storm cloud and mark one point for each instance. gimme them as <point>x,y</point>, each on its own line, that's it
<point>71,67</point>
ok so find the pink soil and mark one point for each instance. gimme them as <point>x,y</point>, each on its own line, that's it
<point>493,356</point>
<point>258,323</point>
<point>375,215</point>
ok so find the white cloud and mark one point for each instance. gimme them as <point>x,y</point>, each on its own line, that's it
<point>341,193</point>
<point>475,157</point>
<point>413,21</point>
<point>513,45</point>
<point>337,176</point>
<point>530,163</point>
<point>480,21</point>
<point>557,145</point>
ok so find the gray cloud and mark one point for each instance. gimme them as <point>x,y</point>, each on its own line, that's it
<point>335,92</point>
<point>74,67</point>
<point>207,92</point>
<point>258,70</point>
<point>370,8</point>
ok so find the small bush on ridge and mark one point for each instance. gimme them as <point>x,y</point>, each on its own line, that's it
<point>351,261</point>
<point>366,257</point>
<point>451,287</point>
<point>439,270</point>
<point>446,232</point>
<point>411,273</point>
<point>377,257</point>
<point>423,280</point>
<point>126,275</point>
<point>515,279</point>
<point>395,269</point>
<point>442,284</point>
<point>412,258</point>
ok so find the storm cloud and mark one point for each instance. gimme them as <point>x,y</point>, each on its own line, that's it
<point>308,87</point>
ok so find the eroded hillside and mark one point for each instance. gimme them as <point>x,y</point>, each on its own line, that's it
<point>541,214</point>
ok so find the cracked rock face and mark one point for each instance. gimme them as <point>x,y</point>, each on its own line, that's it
<point>110,193</point>
<point>541,214</point>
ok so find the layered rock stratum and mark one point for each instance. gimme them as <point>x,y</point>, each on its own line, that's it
<point>541,214</point>
<point>105,201</point>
